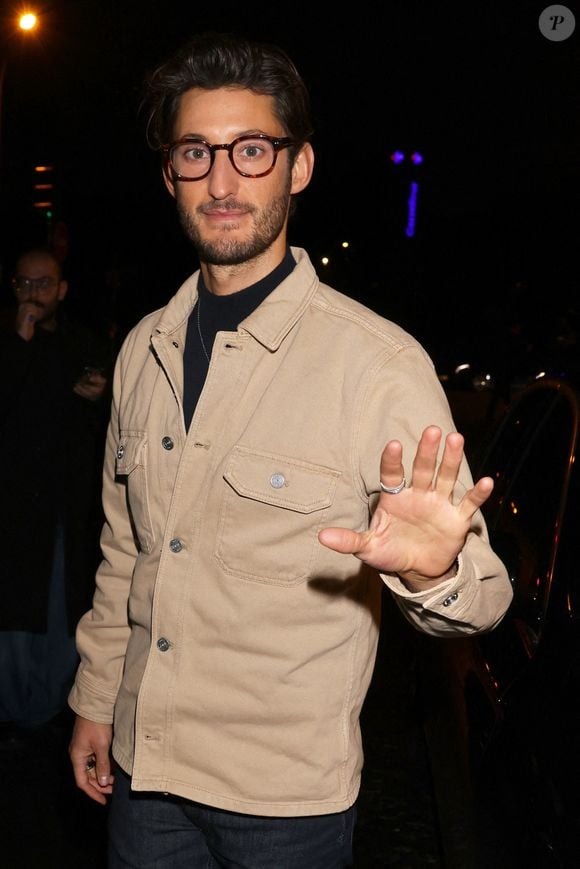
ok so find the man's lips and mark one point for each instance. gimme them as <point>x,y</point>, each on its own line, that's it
<point>225,214</point>
<point>228,214</point>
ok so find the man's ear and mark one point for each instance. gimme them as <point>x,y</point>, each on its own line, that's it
<point>169,183</point>
<point>62,290</point>
<point>302,168</point>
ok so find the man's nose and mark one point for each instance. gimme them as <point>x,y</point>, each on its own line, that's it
<point>31,294</point>
<point>223,180</point>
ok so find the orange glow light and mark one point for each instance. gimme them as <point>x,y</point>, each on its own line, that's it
<point>27,21</point>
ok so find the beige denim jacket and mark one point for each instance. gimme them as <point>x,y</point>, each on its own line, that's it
<point>232,650</point>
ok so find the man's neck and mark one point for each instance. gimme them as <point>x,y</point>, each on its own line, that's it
<point>226,280</point>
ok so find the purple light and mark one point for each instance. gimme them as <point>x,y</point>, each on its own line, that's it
<point>412,215</point>
<point>397,157</point>
<point>417,158</point>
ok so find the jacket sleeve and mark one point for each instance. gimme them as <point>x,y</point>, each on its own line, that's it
<point>103,632</point>
<point>402,397</point>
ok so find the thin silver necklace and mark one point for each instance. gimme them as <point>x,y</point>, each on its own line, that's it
<point>204,348</point>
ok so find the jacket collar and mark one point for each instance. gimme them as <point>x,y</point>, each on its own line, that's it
<point>270,322</point>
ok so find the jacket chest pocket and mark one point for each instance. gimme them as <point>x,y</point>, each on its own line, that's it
<point>272,510</point>
<point>131,466</point>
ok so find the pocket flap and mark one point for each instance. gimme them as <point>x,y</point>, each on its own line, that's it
<point>280,481</point>
<point>130,451</point>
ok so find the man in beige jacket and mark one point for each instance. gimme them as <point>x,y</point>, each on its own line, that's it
<point>253,511</point>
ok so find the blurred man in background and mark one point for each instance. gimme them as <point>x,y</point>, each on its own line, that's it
<point>52,383</point>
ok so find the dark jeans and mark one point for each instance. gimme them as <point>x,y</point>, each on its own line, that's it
<point>37,670</point>
<point>153,831</point>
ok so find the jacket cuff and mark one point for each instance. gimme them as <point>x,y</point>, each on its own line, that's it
<point>91,703</point>
<point>452,598</point>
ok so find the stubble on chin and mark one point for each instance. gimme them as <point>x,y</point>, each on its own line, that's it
<point>268,223</point>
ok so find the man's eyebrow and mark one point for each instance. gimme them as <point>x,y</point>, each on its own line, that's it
<point>39,278</point>
<point>253,132</point>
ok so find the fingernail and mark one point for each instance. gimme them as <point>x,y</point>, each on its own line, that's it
<point>103,780</point>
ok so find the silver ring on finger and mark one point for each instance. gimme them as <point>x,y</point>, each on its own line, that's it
<point>393,490</point>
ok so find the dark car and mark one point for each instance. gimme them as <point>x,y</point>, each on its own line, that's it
<point>501,711</point>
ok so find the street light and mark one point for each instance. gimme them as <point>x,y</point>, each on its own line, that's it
<point>27,22</point>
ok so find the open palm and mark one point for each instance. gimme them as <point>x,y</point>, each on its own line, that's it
<point>418,531</point>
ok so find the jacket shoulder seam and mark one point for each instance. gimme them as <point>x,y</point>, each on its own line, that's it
<point>397,343</point>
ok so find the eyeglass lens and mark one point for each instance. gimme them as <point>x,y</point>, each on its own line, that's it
<point>25,285</point>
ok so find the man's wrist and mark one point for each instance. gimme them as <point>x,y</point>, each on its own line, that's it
<point>416,582</point>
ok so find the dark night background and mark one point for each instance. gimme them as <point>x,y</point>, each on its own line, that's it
<point>491,104</point>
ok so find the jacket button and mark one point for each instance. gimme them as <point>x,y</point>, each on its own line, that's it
<point>120,451</point>
<point>277,481</point>
<point>175,545</point>
<point>167,443</point>
<point>451,599</point>
<point>163,644</point>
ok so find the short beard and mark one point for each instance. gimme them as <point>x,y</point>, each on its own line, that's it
<point>269,223</point>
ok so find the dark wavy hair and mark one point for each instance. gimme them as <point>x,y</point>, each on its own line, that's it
<point>215,60</point>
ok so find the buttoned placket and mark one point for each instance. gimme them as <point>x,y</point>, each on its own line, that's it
<point>178,550</point>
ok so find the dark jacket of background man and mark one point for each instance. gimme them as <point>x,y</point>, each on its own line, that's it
<point>50,454</point>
